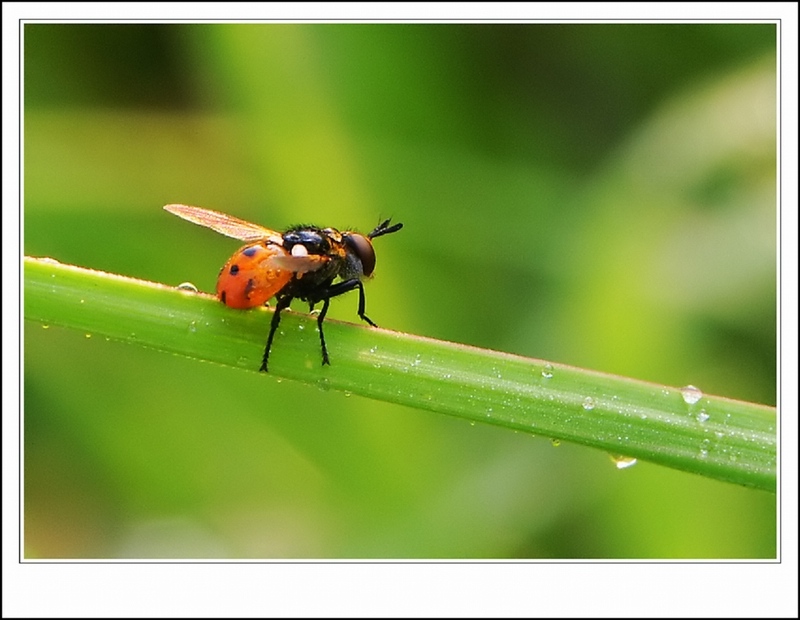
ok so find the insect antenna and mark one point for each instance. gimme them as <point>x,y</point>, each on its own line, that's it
<point>384,229</point>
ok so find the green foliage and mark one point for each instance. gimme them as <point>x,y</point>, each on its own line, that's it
<point>716,437</point>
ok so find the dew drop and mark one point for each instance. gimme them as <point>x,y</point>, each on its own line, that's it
<point>622,462</point>
<point>87,335</point>
<point>347,394</point>
<point>691,394</point>
<point>555,442</point>
<point>373,349</point>
<point>45,327</point>
<point>193,326</point>
<point>301,327</point>
<point>188,287</point>
<point>588,403</point>
<point>702,416</point>
<point>547,371</point>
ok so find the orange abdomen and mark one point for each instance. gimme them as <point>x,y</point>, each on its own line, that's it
<point>249,279</point>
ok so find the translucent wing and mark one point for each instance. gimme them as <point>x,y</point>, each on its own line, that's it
<point>299,264</point>
<point>225,224</point>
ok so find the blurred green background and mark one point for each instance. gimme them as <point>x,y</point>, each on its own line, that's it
<point>600,195</point>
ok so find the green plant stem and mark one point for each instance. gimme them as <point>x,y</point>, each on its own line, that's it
<point>716,437</point>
